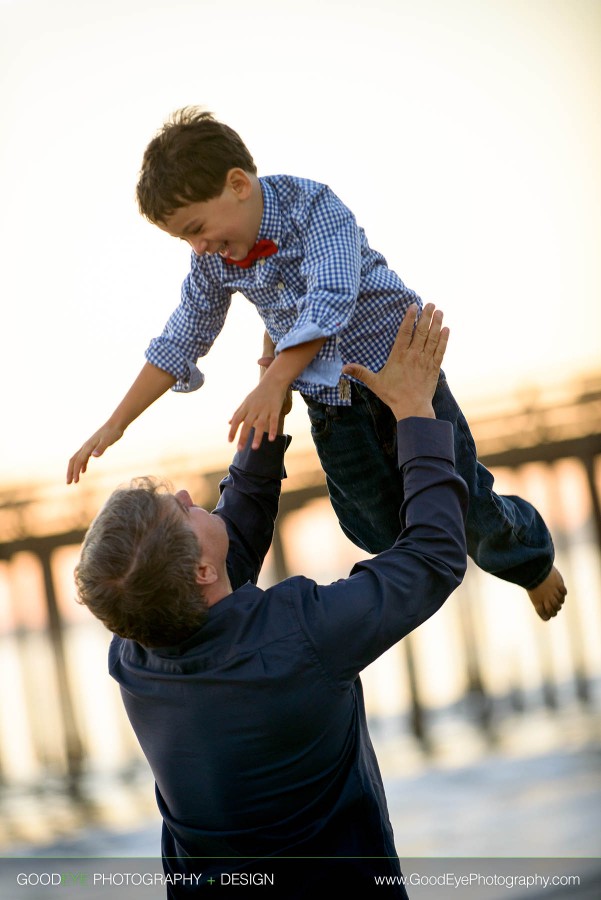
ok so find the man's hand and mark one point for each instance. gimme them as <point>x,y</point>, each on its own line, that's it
<point>408,379</point>
<point>94,446</point>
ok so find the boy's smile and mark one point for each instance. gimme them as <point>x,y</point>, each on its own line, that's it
<point>228,224</point>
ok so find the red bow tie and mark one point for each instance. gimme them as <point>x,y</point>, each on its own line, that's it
<point>261,248</point>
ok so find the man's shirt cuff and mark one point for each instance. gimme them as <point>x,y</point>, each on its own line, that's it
<point>267,460</point>
<point>418,436</point>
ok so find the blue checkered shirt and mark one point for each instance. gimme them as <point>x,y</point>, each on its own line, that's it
<point>324,281</point>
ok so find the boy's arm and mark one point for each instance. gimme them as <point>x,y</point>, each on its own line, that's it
<point>261,408</point>
<point>150,384</point>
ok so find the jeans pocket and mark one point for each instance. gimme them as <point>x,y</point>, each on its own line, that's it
<point>318,417</point>
<point>382,420</point>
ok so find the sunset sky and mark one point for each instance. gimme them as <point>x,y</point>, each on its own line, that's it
<point>465,136</point>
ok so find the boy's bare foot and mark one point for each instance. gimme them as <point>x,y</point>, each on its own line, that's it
<point>548,597</point>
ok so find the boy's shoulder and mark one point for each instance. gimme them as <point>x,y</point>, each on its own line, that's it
<point>294,182</point>
<point>296,193</point>
<point>293,185</point>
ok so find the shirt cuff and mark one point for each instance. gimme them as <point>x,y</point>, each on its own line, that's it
<point>300,335</point>
<point>324,372</point>
<point>193,380</point>
<point>162,354</point>
<point>417,436</point>
<point>267,460</point>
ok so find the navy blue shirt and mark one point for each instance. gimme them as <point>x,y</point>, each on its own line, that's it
<point>255,727</point>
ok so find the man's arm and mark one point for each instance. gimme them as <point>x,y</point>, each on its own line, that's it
<point>355,620</point>
<point>250,493</point>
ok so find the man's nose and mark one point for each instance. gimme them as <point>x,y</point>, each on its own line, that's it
<point>184,498</point>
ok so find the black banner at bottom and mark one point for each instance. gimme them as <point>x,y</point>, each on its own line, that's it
<point>127,878</point>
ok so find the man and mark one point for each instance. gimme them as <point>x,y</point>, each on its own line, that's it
<point>248,703</point>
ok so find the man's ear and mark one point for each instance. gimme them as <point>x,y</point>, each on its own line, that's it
<point>239,182</point>
<point>206,573</point>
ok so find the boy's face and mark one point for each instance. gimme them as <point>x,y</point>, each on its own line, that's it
<point>227,224</point>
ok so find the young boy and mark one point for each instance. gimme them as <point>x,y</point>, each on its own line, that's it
<point>328,301</point>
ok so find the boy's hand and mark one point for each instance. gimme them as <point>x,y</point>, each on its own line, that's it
<point>267,403</point>
<point>95,446</point>
<point>150,384</point>
<point>261,410</point>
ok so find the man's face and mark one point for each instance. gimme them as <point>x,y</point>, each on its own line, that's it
<point>209,529</point>
<point>227,224</point>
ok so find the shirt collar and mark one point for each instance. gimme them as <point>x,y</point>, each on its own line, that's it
<point>271,223</point>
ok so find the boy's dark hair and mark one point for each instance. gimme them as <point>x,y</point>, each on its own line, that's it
<point>187,162</point>
<point>137,570</point>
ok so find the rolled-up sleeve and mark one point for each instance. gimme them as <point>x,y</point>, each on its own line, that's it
<point>191,329</point>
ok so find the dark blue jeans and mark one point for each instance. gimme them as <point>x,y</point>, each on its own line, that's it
<point>356,445</point>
